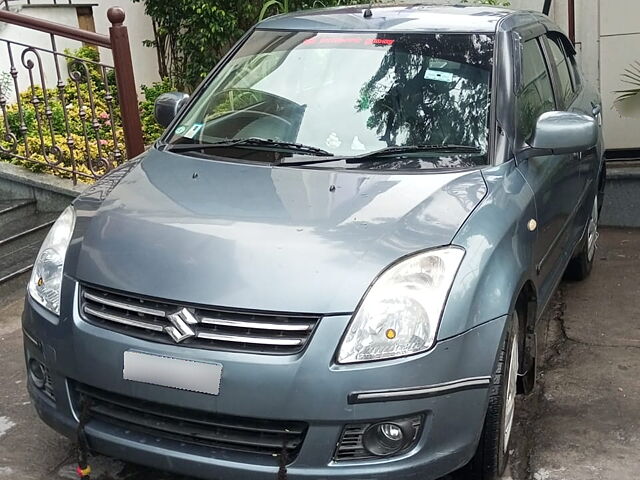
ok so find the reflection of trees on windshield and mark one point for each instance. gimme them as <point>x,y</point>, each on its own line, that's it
<point>431,90</point>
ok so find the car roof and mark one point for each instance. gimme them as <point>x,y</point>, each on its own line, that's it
<point>398,18</point>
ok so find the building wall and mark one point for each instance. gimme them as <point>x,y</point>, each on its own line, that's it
<point>619,48</point>
<point>29,37</point>
<point>145,63</point>
<point>587,37</point>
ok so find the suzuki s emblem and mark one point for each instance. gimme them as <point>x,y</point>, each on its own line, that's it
<point>180,325</point>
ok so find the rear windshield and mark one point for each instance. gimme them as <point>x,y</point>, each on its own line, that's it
<point>351,93</point>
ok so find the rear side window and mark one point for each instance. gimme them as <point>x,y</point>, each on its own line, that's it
<point>567,90</point>
<point>535,96</point>
<point>575,72</point>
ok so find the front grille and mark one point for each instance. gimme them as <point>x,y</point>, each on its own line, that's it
<point>211,328</point>
<point>264,437</point>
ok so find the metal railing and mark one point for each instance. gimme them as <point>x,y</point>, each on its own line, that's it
<point>67,112</point>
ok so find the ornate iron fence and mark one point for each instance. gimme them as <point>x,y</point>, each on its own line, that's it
<point>66,111</point>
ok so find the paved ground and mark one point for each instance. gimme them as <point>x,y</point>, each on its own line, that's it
<point>588,425</point>
<point>581,423</point>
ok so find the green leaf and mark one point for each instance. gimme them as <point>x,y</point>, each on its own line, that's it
<point>630,76</point>
<point>267,5</point>
<point>627,94</point>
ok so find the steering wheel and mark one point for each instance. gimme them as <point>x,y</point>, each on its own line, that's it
<point>273,116</point>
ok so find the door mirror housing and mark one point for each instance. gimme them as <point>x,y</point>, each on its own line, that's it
<point>167,107</point>
<point>558,133</point>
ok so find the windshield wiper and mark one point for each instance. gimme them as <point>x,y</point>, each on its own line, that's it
<point>250,142</point>
<point>399,150</point>
<point>383,153</point>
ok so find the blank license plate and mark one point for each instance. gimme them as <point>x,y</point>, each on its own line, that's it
<point>172,372</point>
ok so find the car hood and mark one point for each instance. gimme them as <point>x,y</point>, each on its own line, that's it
<point>218,233</point>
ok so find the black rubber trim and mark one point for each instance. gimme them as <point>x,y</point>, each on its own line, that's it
<point>32,339</point>
<point>414,393</point>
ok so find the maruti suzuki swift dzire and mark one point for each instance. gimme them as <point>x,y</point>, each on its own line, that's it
<point>332,262</point>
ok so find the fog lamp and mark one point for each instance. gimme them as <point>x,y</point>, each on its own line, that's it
<point>387,438</point>
<point>37,373</point>
<point>391,431</point>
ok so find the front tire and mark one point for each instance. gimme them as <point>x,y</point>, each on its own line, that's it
<point>490,459</point>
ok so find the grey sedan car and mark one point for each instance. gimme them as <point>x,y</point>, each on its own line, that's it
<point>332,263</point>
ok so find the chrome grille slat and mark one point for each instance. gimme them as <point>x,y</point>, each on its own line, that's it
<point>123,320</point>
<point>292,327</point>
<point>195,326</point>
<point>123,305</point>
<point>249,339</point>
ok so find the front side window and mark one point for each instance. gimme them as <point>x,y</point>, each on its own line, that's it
<point>564,74</point>
<point>349,93</point>
<point>535,96</point>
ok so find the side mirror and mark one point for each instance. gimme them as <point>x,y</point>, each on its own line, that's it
<point>565,132</point>
<point>167,107</point>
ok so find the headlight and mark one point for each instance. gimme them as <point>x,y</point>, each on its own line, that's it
<point>399,315</point>
<point>46,277</point>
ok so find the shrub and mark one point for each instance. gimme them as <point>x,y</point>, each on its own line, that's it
<point>151,130</point>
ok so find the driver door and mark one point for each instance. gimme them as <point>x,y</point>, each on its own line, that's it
<point>555,179</point>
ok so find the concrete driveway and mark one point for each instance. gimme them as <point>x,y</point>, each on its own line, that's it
<point>588,417</point>
<point>582,422</point>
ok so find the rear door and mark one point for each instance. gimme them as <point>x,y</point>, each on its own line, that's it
<point>555,179</point>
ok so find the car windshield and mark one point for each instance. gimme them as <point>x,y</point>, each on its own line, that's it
<point>350,94</point>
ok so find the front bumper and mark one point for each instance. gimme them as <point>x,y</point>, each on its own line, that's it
<point>308,387</point>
